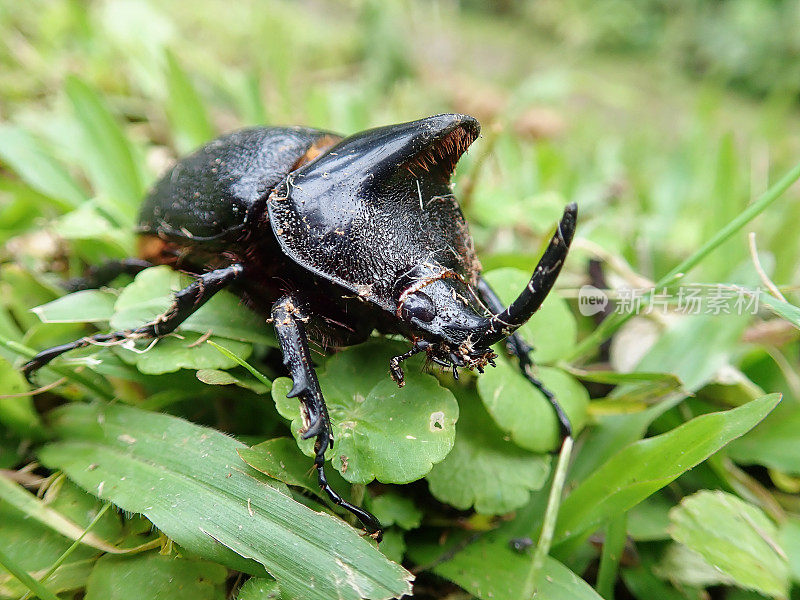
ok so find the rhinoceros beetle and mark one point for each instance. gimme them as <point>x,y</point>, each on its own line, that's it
<point>334,238</point>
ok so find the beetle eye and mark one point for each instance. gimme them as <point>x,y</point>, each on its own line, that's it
<point>419,306</point>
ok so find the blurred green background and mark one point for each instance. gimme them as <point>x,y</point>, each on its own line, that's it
<point>662,120</point>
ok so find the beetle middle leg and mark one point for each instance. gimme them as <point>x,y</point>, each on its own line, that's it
<point>186,302</point>
<point>518,347</point>
<point>289,318</point>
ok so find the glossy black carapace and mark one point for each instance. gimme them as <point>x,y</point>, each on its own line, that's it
<point>334,238</point>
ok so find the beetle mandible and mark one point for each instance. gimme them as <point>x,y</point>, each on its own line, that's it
<point>334,238</point>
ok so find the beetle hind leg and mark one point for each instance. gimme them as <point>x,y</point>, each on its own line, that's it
<point>186,302</point>
<point>518,347</point>
<point>288,318</point>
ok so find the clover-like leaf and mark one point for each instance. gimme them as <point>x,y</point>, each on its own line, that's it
<point>485,470</point>
<point>552,331</point>
<point>734,536</point>
<point>381,431</point>
<point>394,509</point>
<point>521,410</point>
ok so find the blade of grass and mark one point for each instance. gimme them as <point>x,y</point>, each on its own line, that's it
<point>243,363</point>
<point>60,560</point>
<point>550,518</point>
<point>188,117</point>
<point>613,546</point>
<point>36,509</point>
<point>610,325</point>
<point>34,165</point>
<point>213,505</point>
<point>111,162</point>
<point>12,567</point>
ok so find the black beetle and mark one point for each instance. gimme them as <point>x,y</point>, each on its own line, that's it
<point>334,237</point>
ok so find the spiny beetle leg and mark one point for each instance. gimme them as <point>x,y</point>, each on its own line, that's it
<point>104,274</point>
<point>185,302</point>
<point>288,318</point>
<point>522,350</point>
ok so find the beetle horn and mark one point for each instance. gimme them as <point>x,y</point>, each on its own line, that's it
<point>544,276</point>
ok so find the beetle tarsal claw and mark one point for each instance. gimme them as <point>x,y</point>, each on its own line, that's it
<point>396,370</point>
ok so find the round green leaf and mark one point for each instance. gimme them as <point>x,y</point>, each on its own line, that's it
<point>485,470</point>
<point>521,410</point>
<point>394,509</point>
<point>381,431</point>
<point>552,330</point>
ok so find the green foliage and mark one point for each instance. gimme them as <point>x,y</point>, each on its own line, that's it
<point>734,536</point>
<point>382,432</point>
<point>213,507</point>
<point>191,446</point>
<point>646,466</point>
<point>485,470</point>
<point>115,578</point>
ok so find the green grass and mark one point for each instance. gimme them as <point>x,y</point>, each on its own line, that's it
<point>670,175</point>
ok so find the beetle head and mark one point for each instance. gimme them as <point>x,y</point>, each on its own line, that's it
<point>444,318</point>
<point>448,321</point>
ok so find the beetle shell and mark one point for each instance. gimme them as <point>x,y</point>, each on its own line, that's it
<point>212,195</point>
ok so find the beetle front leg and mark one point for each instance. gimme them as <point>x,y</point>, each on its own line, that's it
<point>288,318</point>
<point>518,347</point>
<point>186,302</point>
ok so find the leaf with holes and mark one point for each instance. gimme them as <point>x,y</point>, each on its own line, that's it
<point>381,431</point>
<point>484,469</point>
